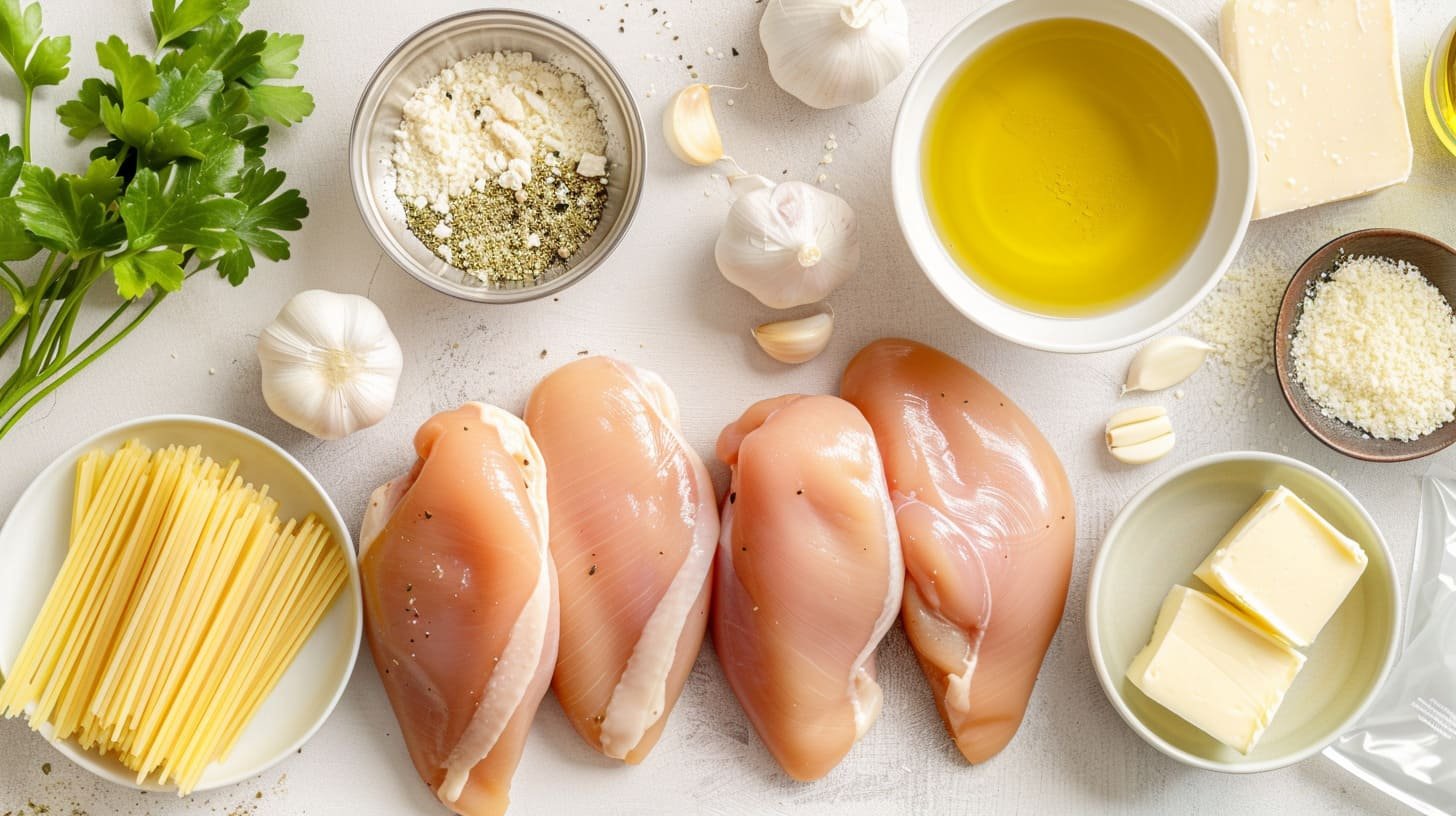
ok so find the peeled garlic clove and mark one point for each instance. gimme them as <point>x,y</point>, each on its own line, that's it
<point>830,53</point>
<point>796,341</point>
<point>1164,363</point>
<point>689,127</point>
<point>1137,436</point>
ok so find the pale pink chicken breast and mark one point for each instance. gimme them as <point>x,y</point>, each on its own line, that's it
<point>460,601</point>
<point>809,577</point>
<point>634,524</point>
<point>986,518</point>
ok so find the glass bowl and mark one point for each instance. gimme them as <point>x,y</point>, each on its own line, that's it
<point>1441,89</point>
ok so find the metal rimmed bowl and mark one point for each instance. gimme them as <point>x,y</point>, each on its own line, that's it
<point>430,50</point>
<point>1437,263</point>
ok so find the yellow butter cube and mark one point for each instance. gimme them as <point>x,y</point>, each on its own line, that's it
<point>1285,566</point>
<point>1214,668</point>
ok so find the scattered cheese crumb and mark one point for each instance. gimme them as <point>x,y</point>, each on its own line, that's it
<point>1239,316</point>
<point>1376,347</point>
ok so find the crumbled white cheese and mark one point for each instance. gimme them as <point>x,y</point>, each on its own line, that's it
<point>468,123</point>
<point>592,165</point>
<point>1376,347</point>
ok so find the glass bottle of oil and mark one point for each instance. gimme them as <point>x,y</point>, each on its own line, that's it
<point>1441,88</point>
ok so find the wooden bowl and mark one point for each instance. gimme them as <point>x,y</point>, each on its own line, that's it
<point>1437,262</point>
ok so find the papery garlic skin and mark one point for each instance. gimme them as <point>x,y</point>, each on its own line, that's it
<point>788,244</point>
<point>831,53</point>
<point>330,363</point>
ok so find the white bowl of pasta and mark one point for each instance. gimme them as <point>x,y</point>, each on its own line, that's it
<point>162,621</point>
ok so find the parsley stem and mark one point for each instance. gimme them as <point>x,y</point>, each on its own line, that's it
<point>29,94</point>
<point>11,276</point>
<point>46,352</point>
<point>8,329</point>
<point>49,388</point>
<point>37,315</point>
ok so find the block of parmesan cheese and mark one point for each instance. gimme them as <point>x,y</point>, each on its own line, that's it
<point>1321,80</point>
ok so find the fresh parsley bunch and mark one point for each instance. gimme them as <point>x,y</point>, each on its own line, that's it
<point>178,186</point>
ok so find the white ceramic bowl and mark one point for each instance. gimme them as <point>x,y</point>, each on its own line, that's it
<point>1165,532</point>
<point>1210,258</point>
<point>33,544</point>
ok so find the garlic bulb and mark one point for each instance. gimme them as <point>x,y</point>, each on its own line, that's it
<point>689,128</point>
<point>330,363</point>
<point>787,244</point>
<point>796,341</point>
<point>831,53</point>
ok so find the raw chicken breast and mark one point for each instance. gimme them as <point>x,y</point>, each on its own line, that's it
<point>809,577</point>
<point>634,524</point>
<point>460,601</point>
<point>985,514</point>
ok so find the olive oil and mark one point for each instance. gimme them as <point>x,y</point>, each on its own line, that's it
<point>1441,88</point>
<point>1069,167</point>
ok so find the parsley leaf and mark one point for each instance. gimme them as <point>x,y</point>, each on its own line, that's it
<point>136,274</point>
<point>221,166</point>
<point>37,60</point>
<point>182,216</point>
<point>62,217</point>
<point>15,243</point>
<point>169,143</point>
<point>136,76</point>
<point>186,98</point>
<point>100,181</point>
<point>83,114</point>
<point>285,104</point>
<point>276,60</point>
<point>258,228</point>
<point>171,20</point>
<point>132,124</point>
<point>11,160</point>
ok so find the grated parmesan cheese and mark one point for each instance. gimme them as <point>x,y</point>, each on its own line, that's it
<point>1375,347</point>
<point>1238,319</point>
<point>485,118</point>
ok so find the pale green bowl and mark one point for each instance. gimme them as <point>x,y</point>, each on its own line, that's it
<point>1158,539</point>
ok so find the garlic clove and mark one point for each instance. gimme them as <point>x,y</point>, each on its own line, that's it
<point>1145,452</point>
<point>831,53</point>
<point>689,127</point>
<point>796,341</point>
<point>1164,363</point>
<point>1137,436</point>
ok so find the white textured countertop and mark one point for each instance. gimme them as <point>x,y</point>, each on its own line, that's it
<point>660,303</point>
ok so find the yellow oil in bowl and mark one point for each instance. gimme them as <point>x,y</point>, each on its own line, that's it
<point>1441,88</point>
<point>1069,167</point>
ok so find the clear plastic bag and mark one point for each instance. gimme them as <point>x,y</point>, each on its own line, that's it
<point>1405,745</point>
